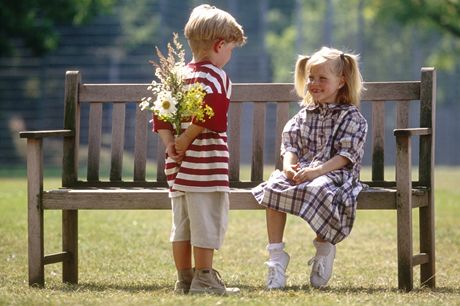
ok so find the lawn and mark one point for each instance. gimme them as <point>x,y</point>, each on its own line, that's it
<point>125,257</point>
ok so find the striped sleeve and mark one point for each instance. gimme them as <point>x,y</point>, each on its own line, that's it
<point>218,88</point>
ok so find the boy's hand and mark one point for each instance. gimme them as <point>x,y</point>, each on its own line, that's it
<point>186,138</point>
<point>181,144</point>
<point>171,151</point>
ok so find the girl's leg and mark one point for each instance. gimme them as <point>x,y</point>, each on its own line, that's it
<point>182,253</point>
<point>278,258</point>
<point>276,221</point>
<point>320,239</point>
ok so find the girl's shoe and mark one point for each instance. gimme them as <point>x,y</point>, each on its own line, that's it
<point>322,263</point>
<point>276,277</point>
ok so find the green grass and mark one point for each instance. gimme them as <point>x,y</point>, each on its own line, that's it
<point>125,257</point>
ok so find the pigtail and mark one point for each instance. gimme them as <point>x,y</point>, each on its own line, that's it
<point>351,91</point>
<point>300,77</point>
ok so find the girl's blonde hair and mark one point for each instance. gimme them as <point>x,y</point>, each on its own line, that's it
<point>340,63</point>
<point>208,24</point>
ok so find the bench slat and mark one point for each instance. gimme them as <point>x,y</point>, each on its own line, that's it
<point>402,114</point>
<point>234,141</point>
<point>378,136</point>
<point>258,136</point>
<point>161,176</point>
<point>256,92</point>
<point>94,141</point>
<point>140,145</point>
<point>282,116</point>
<point>157,198</point>
<point>118,140</point>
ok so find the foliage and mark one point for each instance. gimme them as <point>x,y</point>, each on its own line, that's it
<point>140,23</point>
<point>34,22</point>
<point>444,14</point>
<point>380,31</point>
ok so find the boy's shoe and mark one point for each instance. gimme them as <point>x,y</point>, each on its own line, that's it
<point>184,280</point>
<point>322,263</point>
<point>209,281</point>
<point>276,277</point>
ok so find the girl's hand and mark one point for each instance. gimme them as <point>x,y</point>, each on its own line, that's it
<point>171,151</point>
<point>306,174</point>
<point>291,170</point>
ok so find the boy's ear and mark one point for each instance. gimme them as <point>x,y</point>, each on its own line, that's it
<point>218,44</point>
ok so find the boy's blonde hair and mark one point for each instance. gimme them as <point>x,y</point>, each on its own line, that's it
<point>207,24</point>
<point>341,64</point>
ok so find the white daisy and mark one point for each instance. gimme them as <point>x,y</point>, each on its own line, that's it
<point>165,104</point>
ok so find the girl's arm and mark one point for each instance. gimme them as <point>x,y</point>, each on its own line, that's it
<point>290,164</point>
<point>187,137</point>
<point>335,163</point>
<point>168,140</point>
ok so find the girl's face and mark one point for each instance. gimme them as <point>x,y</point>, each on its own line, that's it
<point>323,84</point>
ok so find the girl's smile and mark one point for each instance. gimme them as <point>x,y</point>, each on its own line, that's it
<point>323,85</point>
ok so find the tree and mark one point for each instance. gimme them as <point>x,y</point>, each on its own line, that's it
<point>33,22</point>
<point>444,14</point>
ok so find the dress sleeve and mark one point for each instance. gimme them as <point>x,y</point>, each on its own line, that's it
<point>351,136</point>
<point>291,138</point>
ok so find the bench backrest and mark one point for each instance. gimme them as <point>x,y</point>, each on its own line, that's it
<point>116,102</point>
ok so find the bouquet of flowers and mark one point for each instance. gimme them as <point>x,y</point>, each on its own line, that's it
<point>174,101</point>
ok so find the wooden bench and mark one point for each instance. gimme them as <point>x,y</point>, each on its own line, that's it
<point>117,192</point>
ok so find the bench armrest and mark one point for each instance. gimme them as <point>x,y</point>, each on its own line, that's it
<point>45,133</point>
<point>35,157</point>
<point>412,132</point>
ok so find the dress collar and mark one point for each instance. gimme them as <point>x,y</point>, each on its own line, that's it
<point>325,106</point>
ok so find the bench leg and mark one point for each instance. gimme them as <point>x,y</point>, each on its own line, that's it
<point>404,213</point>
<point>427,245</point>
<point>35,213</point>
<point>35,245</point>
<point>405,252</point>
<point>70,246</point>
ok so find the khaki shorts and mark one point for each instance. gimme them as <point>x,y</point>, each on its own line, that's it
<point>201,218</point>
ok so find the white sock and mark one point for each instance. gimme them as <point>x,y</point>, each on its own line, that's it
<point>275,250</point>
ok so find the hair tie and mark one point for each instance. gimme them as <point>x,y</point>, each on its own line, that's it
<point>342,56</point>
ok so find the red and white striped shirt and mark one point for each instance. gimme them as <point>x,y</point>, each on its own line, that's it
<point>205,164</point>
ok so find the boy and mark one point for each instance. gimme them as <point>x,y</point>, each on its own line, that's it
<point>197,160</point>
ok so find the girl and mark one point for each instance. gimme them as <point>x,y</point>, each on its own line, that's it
<point>322,148</point>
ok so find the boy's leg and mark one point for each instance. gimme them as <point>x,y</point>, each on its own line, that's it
<point>181,247</point>
<point>182,253</point>
<point>278,258</point>
<point>203,258</point>
<point>208,212</point>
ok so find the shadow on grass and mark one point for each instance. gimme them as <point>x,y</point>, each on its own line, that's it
<point>246,289</point>
<point>101,287</point>
<point>348,289</point>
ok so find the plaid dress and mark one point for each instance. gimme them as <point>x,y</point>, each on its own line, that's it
<point>328,203</point>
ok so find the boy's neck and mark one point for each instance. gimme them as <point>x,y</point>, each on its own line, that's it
<point>206,58</point>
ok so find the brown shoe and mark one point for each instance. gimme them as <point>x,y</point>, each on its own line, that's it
<point>184,280</point>
<point>209,281</point>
